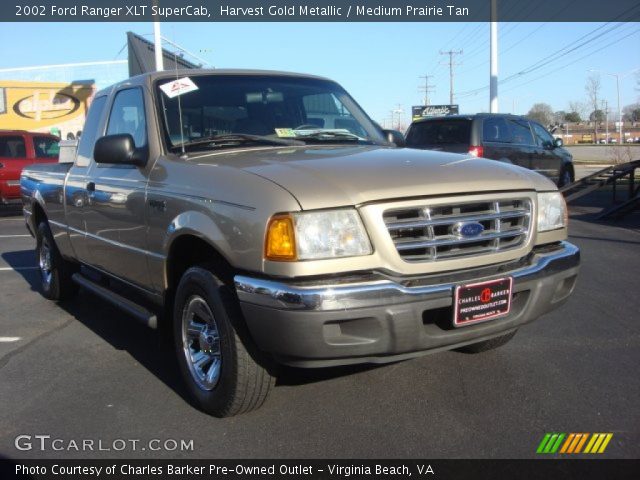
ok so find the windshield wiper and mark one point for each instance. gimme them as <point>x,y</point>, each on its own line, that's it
<point>230,139</point>
<point>328,135</point>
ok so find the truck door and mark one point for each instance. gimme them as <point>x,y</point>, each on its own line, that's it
<point>115,220</point>
<point>76,193</point>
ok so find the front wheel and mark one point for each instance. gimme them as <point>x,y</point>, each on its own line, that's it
<point>55,271</point>
<point>221,367</point>
<point>565,177</point>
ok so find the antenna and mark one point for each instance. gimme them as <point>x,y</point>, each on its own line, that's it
<point>175,64</point>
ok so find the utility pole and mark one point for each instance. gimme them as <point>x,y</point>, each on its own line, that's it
<point>605,105</point>
<point>427,88</point>
<point>493,79</point>
<point>157,42</point>
<point>452,64</point>
<point>619,109</point>
<point>399,111</point>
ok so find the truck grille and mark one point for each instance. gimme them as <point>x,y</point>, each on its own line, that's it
<point>435,232</point>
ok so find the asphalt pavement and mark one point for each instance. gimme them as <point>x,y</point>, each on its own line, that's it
<point>82,371</point>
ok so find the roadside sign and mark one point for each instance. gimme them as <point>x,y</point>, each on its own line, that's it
<point>421,111</point>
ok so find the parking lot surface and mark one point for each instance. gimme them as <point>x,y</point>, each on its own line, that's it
<point>83,370</point>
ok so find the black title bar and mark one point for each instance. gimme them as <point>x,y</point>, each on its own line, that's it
<point>318,11</point>
<point>557,469</point>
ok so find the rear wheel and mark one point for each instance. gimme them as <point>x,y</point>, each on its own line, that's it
<point>55,271</point>
<point>221,367</point>
<point>487,345</point>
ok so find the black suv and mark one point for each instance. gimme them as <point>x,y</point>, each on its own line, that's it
<point>507,138</point>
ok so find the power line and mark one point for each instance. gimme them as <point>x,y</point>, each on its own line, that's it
<point>555,56</point>
<point>562,67</point>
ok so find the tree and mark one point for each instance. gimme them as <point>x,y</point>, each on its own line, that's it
<point>542,113</point>
<point>592,88</point>
<point>597,116</point>
<point>572,117</point>
<point>578,108</point>
<point>631,113</point>
<point>559,117</point>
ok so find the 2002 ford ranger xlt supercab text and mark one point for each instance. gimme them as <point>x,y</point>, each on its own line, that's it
<point>265,219</point>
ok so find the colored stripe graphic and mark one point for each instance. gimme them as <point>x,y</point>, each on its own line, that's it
<point>598,443</point>
<point>544,441</point>
<point>550,443</point>
<point>573,443</point>
<point>581,443</point>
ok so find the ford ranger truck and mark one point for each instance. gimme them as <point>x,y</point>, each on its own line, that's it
<point>263,218</point>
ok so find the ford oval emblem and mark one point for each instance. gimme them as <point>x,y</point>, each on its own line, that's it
<point>467,229</point>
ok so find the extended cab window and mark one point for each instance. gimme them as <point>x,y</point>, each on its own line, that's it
<point>46,147</point>
<point>543,138</point>
<point>127,116</point>
<point>496,130</point>
<point>12,147</point>
<point>90,132</point>
<point>521,132</point>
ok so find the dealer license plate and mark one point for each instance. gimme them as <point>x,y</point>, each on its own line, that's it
<point>478,302</point>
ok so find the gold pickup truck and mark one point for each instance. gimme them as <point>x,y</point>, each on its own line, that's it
<point>262,218</point>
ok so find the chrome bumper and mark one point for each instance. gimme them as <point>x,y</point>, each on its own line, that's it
<point>384,292</point>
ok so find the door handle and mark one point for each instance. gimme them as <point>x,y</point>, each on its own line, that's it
<point>159,205</point>
<point>1,165</point>
<point>91,187</point>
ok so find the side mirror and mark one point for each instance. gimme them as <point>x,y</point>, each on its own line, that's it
<point>395,137</point>
<point>119,149</point>
<point>558,143</point>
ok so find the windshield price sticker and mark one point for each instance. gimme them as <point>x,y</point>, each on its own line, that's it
<point>178,87</point>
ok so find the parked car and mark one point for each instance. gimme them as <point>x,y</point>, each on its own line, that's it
<point>17,150</point>
<point>507,138</point>
<point>262,218</point>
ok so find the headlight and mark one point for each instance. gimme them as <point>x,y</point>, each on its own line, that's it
<point>316,235</point>
<point>552,211</point>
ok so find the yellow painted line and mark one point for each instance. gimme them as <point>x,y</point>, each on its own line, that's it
<point>574,443</point>
<point>590,444</point>
<point>584,439</point>
<point>605,443</point>
<point>567,442</point>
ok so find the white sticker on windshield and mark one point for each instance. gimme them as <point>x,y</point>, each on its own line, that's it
<point>178,87</point>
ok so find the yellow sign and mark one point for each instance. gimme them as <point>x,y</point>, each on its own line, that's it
<point>44,106</point>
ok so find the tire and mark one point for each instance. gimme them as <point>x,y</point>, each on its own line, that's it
<point>223,371</point>
<point>487,345</point>
<point>565,177</point>
<point>55,271</point>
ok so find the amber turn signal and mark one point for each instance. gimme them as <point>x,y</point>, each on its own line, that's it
<point>280,244</point>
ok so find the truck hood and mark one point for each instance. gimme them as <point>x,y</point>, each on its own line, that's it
<point>323,177</point>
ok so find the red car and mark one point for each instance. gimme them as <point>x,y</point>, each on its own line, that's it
<point>18,149</point>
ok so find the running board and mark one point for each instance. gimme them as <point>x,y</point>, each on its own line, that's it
<point>140,313</point>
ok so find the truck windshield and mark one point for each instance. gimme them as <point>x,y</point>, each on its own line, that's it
<point>206,111</point>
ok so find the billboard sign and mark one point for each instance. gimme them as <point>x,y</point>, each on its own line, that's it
<point>44,106</point>
<point>421,111</point>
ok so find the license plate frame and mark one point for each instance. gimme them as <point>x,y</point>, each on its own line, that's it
<point>480,297</point>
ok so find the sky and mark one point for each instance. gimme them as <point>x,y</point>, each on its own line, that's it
<point>379,64</point>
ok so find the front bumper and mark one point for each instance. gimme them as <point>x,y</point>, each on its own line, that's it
<point>377,319</point>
